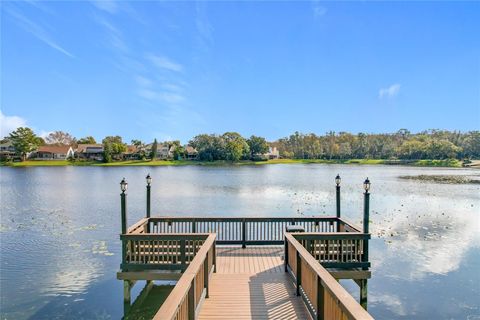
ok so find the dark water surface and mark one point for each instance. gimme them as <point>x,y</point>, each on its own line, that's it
<point>60,248</point>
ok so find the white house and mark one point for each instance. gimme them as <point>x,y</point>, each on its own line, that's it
<point>53,153</point>
<point>272,153</point>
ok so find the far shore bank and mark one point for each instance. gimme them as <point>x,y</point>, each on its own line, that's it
<point>452,163</point>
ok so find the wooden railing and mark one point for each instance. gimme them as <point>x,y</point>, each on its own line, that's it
<point>246,231</point>
<point>337,250</point>
<point>145,251</point>
<point>324,297</point>
<point>184,302</point>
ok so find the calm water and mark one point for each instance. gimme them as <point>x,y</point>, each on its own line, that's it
<point>60,248</point>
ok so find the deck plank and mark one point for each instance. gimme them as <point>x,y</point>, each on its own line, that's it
<point>251,284</point>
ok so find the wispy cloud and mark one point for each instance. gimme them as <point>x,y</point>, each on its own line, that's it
<point>114,34</point>
<point>36,30</point>
<point>389,92</point>
<point>318,10</point>
<point>163,62</point>
<point>106,5</point>
<point>161,96</point>
<point>204,27</point>
<point>10,123</point>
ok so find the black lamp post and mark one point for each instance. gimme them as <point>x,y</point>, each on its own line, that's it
<point>123,202</point>
<point>337,181</point>
<point>366,217</point>
<point>149,182</point>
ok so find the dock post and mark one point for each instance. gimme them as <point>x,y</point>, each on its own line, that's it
<point>149,182</point>
<point>366,218</point>
<point>363,293</point>
<point>337,182</point>
<point>126,293</point>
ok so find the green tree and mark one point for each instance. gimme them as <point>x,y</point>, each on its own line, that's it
<point>257,145</point>
<point>39,141</point>
<point>210,147</point>
<point>115,146</point>
<point>137,143</point>
<point>24,141</point>
<point>153,153</point>
<point>236,147</point>
<point>107,152</point>
<point>87,140</point>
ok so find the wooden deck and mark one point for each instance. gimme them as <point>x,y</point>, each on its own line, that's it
<point>251,284</point>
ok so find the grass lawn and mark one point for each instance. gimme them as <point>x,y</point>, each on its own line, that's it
<point>46,163</point>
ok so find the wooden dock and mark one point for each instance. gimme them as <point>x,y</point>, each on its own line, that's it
<point>249,268</point>
<point>251,284</point>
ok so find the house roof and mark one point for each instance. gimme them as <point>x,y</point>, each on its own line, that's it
<point>131,149</point>
<point>54,149</point>
<point>81,148</point>
<point>190,149</point>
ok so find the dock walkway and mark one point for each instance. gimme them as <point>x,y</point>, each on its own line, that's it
<point>251,284</point>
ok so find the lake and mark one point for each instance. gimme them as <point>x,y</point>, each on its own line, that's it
<point>60,248</point>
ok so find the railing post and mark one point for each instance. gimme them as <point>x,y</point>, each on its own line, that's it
<point>299,272</point>
<point>183,260</point>
<point>286,254</point>
<point>215,256</point>
<point>205,275</point>
<point>194,226</point>
<point>191,301</point>
<point>366,218</point>
<point>244,234</point>
<point>320,299</point>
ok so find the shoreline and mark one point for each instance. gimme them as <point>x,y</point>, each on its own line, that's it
<point>452,163</point>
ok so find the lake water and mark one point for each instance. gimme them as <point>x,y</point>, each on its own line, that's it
<point>60,249</point>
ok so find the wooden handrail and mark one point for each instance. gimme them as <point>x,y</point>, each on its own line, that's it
<point>179,300</point>
<point>326,288</point>
<point>137,225</point>
<point>240,218</point>
<point>350,224</point>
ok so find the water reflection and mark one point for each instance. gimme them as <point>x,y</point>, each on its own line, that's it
<point>60,248</point>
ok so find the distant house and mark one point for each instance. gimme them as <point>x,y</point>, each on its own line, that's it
<point>90,152</point>
<point>191,153</point>
<point>53,153</point>
<point>7,150</point>
<point>272,153</point>
<point>132,153</point>
<point>164,150</point>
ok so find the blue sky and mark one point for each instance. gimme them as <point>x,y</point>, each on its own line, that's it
<point>171,70</point>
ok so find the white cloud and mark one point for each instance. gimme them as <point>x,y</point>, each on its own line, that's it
<point>318,10</point>
<point>389,92</point>
<point>106,5</point>
<point>10,123</point>
<point>163,62</point>
<point>143,81</point>
<point>37,31</point>
<point>168,97</point>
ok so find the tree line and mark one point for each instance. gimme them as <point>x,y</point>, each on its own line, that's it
<point>430,144</point>
<point>231,146</point>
